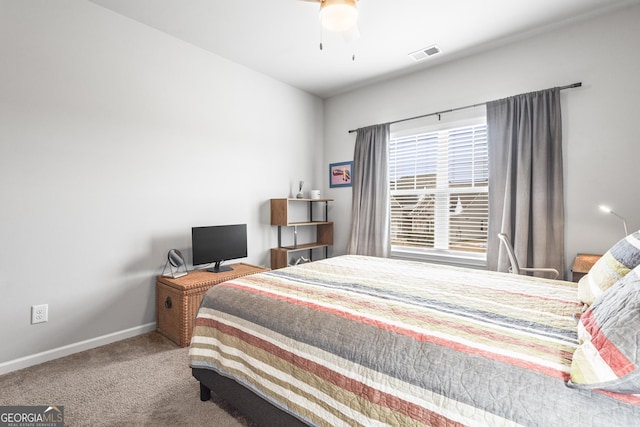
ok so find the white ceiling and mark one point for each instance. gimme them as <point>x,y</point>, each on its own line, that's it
<point>281,38</point>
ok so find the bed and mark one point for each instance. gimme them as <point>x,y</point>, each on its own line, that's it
<point>365,341</point>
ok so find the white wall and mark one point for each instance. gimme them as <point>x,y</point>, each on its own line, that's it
<point>601,143</point>
<point>115,139</point>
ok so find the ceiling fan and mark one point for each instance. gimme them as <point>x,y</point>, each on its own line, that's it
<point>339,16</point>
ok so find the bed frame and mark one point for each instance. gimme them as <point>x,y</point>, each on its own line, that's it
<point>248,403</point>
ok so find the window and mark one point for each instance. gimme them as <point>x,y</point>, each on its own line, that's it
<point>439,192</point>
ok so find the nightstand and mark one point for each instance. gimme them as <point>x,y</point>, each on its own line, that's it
<point>582,264</point>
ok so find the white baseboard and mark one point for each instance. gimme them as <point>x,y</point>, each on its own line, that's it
<point>45,356</point>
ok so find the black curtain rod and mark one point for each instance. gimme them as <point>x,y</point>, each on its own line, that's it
<point>571,86</point>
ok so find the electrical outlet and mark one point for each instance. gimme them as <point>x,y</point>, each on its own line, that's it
<point>39,313</point>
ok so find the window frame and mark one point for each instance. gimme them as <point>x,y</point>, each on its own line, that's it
<point>447,256</point>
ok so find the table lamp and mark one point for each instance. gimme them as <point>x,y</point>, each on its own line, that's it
<point>607,209</point>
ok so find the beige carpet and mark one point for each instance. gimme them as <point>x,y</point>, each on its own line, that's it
<point>141,381</point>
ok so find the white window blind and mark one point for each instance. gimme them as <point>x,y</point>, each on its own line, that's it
<point>439,191</point>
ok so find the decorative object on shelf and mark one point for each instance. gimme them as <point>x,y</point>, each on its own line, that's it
<point>340,174</point>
<point>300,195</point>
<point>314,194</point>
<point>607,209</point>
<point>174,260</point>
<point>301,260</point>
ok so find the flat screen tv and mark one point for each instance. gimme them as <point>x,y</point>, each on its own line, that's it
<point>218,243</point>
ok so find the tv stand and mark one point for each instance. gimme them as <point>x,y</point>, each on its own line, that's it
<point>217,268</point>
<point>178,300</point>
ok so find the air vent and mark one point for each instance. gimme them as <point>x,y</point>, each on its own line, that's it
<point>425,53</point>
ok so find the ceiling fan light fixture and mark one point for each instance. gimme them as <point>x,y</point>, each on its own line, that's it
<point>338,15</point>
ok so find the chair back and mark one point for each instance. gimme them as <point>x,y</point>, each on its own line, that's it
<point>515,268</point>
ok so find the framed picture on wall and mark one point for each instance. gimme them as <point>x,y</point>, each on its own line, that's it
<point>340,174</point>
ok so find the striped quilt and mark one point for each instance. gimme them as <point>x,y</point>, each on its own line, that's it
<point>363,341</point>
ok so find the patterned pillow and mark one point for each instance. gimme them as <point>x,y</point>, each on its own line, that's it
<point>608,357</point>
<point>623,257</point>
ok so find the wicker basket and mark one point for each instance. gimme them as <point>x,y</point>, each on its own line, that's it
<point>178,300</point>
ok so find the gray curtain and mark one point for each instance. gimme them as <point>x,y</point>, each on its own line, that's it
<point>526,199</point>
<point>370,193</point>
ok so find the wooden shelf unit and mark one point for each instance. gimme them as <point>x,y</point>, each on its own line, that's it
<point>280,217</point>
